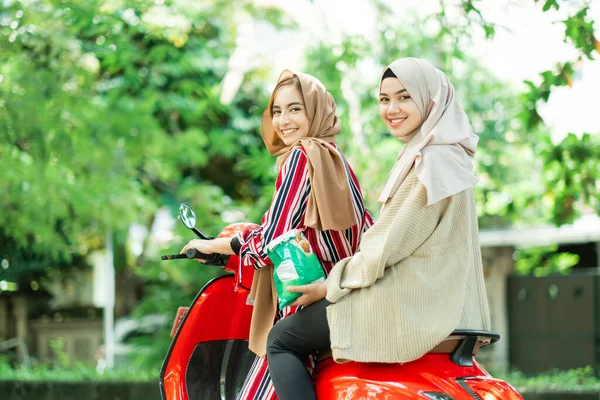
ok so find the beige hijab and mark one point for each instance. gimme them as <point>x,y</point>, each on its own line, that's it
<point>442,148</point>
<point>330,205</point>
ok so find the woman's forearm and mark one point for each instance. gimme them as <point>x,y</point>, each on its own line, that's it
<point>221,245</point>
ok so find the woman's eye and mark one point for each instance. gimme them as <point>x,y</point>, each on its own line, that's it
<point>405,98</point>
<point>276,112</point>
<point>383,100</point>
<point>295,109</point>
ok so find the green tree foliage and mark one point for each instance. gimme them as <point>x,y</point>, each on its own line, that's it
<point>544,261</point>
<point>570,168</point>
<point>110,109</point>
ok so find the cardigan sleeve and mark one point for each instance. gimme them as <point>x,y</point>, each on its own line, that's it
<point>404,225</point>
<point>286,212</point>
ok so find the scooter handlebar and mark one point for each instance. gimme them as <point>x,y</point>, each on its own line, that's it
<point>217,259</point>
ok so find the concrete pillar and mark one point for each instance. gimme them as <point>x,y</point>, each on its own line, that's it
<point>20,313</point>
<point>498,264</point>
<point>4,328</point>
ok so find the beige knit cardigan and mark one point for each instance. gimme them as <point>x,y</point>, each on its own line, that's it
<point>417,277</point>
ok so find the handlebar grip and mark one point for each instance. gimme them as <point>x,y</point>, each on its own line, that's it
<point>211,259</point>
<point>194,253</point>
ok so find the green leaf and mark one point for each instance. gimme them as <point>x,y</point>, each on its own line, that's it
<point>549,4</point>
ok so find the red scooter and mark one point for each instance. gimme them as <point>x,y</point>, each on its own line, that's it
<point>209,357</point>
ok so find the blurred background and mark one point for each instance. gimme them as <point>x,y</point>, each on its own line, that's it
<point>114,111</point>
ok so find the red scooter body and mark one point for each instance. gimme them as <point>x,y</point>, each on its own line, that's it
<point>433,376</point>
<point>209,357</point>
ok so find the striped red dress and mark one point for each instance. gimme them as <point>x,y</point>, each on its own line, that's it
<point>287,212</point>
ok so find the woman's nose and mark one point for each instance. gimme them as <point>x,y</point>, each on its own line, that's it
<point>284,118</point>
<point>394,108</point>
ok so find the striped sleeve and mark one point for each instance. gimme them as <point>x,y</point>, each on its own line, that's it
<point>287,210</point>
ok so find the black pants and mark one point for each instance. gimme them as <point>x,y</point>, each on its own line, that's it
<point>289,344</point>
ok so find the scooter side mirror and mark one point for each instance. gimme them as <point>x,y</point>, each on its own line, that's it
<point>187,215</point>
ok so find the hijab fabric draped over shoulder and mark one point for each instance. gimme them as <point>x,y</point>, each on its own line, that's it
<point>442,148</point>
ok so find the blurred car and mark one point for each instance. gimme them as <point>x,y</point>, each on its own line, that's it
<point>127,330</point>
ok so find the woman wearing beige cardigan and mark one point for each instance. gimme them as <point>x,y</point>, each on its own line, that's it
<point>418,275</point>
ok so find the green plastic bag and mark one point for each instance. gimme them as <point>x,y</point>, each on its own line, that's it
<point>294,263</point>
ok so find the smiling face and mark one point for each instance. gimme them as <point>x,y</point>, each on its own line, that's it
<point>397,109</point>
<point>290,120</point>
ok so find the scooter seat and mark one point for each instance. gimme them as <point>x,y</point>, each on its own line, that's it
<point>462,344</point>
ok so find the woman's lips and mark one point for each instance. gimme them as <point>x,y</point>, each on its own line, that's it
<point>396,122</point>
<point>289,131</point>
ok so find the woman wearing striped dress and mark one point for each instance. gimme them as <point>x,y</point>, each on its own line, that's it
<point>316,191</point>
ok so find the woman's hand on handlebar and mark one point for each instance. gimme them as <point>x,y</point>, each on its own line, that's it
<point>310,293</point>
<point>203,246</point>
<point>219,245</point>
